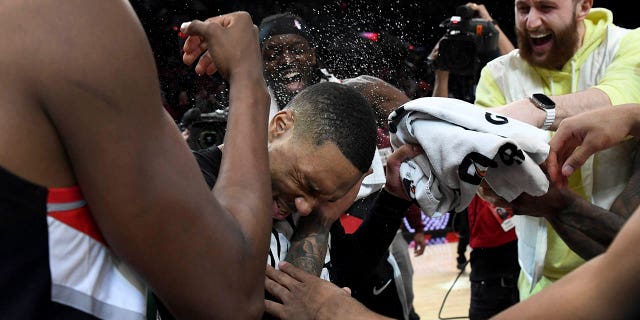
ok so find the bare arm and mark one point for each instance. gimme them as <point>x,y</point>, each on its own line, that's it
<point>604,287</point>
<point>441,84</point>
<point>309,244</point>
<point>586,228</point>
<point>310,241</point>
<point>98,84</point>
<point>608,285</point>
<point>567,105</point>
<point>504,44</point>
<point>595,225</point>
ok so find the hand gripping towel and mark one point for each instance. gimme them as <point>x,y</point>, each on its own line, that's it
<point>464,144</point>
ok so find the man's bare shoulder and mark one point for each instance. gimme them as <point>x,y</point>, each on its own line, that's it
<point>59,54</point>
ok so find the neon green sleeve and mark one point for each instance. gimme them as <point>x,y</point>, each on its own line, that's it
<point>488,94</point>
<point>621,81</point>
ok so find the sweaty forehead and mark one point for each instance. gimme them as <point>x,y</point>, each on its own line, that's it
<point>282,40</point>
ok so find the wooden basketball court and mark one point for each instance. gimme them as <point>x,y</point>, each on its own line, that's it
<point>434,273</point>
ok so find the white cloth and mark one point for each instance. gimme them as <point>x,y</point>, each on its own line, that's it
<point>604,175</point>
<point>463,144</point>
<point>376,180</point>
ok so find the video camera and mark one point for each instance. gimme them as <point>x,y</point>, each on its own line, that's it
<point>466,39</point>
<point>205,129</point>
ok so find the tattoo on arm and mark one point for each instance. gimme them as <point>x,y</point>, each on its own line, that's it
<point>629,199</point>
<point>577,240</point>
<point>587,229</point>
<point>309,245</point>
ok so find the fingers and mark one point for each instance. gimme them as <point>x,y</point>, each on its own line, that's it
<point>393,184</point>
<point>577,159</point>
<point>275,289</point>
<point>205,65</point>
<point>273,308</point>
<point>553,169</point>
<point>403,153</point>
<point>195,44</point>
<point>486,193</point>
<point>282,278</point>
<point>294,273</point>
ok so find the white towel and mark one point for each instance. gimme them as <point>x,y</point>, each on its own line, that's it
<point>375,181</point>
<point>464,144</point>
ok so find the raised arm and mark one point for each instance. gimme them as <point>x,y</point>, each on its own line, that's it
<point>96,81</point>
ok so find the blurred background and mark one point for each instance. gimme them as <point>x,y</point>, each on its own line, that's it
<point>387,39</point>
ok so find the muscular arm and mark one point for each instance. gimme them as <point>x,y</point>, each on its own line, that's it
<point>604,287</point>
<point>98,85</point>
<point>310,240</point>
<point>586,228</point>
<point>309,244</point>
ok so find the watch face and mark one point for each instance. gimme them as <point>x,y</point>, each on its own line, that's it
<point>544,100</point>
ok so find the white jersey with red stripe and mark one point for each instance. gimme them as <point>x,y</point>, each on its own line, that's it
<point>55,262</point>
<point>85,274</point>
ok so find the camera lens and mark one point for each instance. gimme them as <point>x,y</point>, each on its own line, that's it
<point>458,55</point>
<point>208,139</point>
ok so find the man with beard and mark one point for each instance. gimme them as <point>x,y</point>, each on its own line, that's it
<point>571,59</point>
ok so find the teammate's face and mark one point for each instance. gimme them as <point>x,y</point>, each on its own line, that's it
<point>288,64</point>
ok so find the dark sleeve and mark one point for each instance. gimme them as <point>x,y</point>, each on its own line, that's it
<point>414,217</point>
<point>356,256</point>
<point>209,160</point>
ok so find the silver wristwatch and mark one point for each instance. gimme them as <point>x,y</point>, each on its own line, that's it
<point>547,105</point>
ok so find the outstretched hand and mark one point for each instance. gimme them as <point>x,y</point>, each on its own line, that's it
<point>580,136</point>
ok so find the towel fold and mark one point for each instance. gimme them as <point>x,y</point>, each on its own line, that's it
<point>463,145</point>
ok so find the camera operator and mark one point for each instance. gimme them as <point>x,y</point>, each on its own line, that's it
<point>491,43</point>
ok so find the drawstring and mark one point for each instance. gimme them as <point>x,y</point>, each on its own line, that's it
<point>574,83</point>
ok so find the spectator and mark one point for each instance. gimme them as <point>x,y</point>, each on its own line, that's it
<point>563,54</point>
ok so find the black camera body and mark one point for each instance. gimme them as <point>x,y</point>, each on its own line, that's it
<point>207,130</point>
<point>466,39</point>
